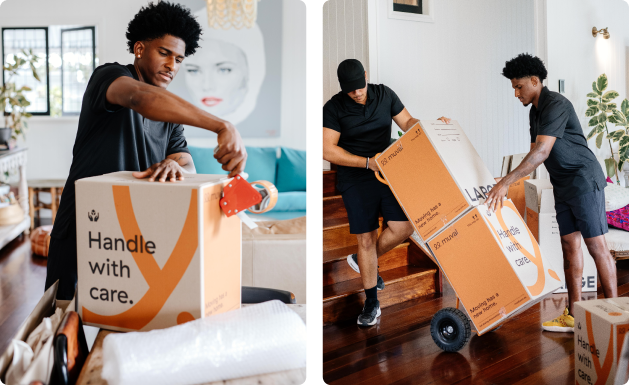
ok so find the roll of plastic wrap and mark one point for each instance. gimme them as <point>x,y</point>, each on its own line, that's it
<point>263,338</point>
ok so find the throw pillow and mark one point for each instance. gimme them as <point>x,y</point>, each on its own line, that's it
<point>291,170</point>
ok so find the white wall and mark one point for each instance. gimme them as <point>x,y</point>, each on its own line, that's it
<point>577,57</point>
<point>50,140</point>
<point>345,36</point>
<point>452,68</point>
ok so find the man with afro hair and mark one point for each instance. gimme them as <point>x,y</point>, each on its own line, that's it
<point>577,178</point>
<point>129,122</point>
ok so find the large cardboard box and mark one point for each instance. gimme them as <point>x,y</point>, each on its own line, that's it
<point>542,221</point>
<point>600,327</point>
<point>494,264</point>
<point>153,255</point>
<point>436,175</point>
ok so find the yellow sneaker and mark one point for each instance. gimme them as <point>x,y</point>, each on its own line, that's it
<point>563,323</point>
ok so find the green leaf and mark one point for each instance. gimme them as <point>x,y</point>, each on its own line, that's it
<point>616,135</point>
<point>592,95</point>
<point>611,107</point>
<point>602,107</point>
<point>400,133</point>
<point>592,133</point>
<point>34,72</point>
<point>25,88</point>
<point>591,111</point>
<point>602,118</point>
<point>601,83</point>
<point>624,107</point>
<point>610,95</point>
<point>599,139</point>
<point>624,141</point>
<point>610,165</point>
<point>621,163</point>
<point>592,102</point>
<point>617,118</point>
<point>595,89</point>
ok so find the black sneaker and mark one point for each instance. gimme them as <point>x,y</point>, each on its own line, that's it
<point>352,260</point>
<point>370,313</point>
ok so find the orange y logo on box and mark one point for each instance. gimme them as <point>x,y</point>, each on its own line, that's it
<point>159,255</point>
<point>161,281</point>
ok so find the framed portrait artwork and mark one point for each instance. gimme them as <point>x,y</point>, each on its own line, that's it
<point>236,74</point>
<point>413,10</point>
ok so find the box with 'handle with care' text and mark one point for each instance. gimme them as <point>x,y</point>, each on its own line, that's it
<point>152,255</point>
<point>600,330</point>
<point>494,264</point>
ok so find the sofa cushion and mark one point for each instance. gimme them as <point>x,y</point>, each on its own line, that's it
<point>290,201</point>
<point>291,170</point>
<point>616,197</point>
<point>261,162</point>
<point>619,218</point>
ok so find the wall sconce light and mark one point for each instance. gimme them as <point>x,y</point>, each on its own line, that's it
<point>602,31</point>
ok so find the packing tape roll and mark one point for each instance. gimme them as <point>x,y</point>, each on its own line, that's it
<point>268,200</point>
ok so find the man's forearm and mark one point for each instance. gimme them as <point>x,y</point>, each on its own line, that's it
<point>341,157</point>
<point>410,123</point>
<point>530,162</point>
<point>161,105</point>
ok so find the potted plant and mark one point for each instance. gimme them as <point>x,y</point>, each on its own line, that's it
<point>15,120</point>
<point>602,110</point>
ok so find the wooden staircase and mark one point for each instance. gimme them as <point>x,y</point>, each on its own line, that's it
<point>406,270</point>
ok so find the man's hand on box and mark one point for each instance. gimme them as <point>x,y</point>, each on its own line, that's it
<point>166,170</point>
<point>496,195</point>
<point>444,119</point>
<point>231,152</point>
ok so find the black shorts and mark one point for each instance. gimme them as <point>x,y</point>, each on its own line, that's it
<point>585,213</point>
<point>365,201</point>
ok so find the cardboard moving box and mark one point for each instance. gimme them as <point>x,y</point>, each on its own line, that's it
<point>542,221</point>
<point>436,175</point>
<point>600,327</point>
<point>153,255</point>
<point>494,264</point>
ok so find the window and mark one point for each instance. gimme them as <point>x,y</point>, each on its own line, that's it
<point>67,60</point>
<point>14,40</point>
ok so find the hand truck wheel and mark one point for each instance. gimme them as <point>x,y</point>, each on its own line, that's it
<point>450,329</point>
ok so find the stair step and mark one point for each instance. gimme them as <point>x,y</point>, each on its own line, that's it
<point>336,233</point>
<point>329,183</point>
<point>333,207</point>
<point>336,269</point>
<point>345,299</point>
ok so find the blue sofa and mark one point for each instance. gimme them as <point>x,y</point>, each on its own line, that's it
<point>286,171</point>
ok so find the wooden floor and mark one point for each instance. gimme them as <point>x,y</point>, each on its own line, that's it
<point>22,279</point>
<point>400,350</point>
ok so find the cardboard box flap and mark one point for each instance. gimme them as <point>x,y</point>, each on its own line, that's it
<point>126,178</point>
<point>547,202</point>
<point>613,310</point>
<point>516,160</point>
<point>533,192</point>
<point>44,308</point>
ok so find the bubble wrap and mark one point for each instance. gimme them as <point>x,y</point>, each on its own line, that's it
<point>263,338</point>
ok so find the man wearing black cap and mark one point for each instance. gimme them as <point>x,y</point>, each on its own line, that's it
<point>356,127</point>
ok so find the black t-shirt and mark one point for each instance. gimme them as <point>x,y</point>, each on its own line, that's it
<point>365,129</point>
<point>112,138</point>
<point>572,166</point>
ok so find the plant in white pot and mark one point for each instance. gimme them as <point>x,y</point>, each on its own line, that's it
<point>14,123</point>
<point>602,110</point>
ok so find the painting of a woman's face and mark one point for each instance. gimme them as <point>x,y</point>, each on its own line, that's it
<point>217,77</point>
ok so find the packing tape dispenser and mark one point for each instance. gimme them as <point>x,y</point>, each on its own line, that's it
<point>239,195</point>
